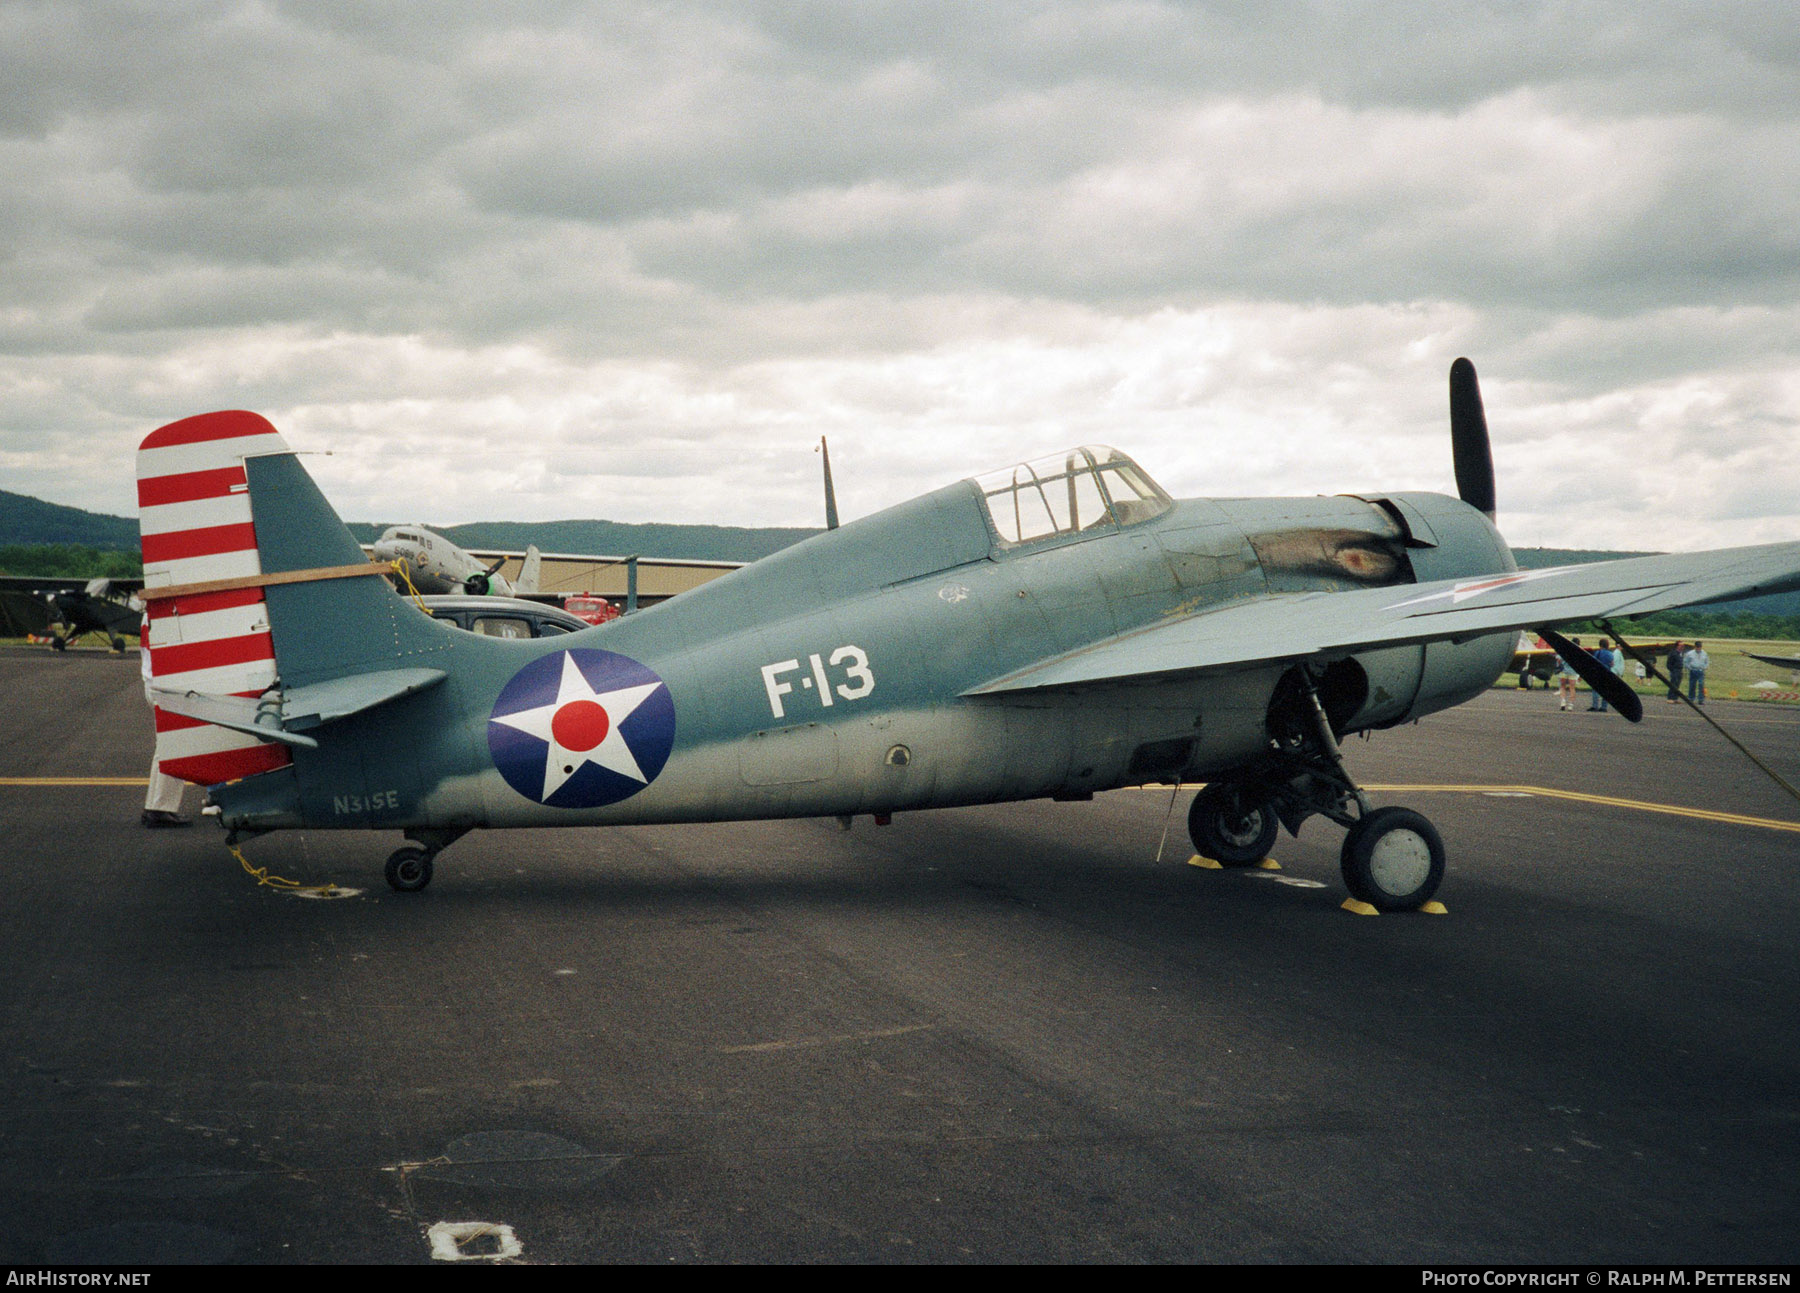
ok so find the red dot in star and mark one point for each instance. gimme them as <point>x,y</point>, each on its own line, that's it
<point>579,725</point>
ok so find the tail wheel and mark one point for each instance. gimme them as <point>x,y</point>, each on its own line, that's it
<point>1225,831</point>
<point>408,870</point>
<point>1393,859</point>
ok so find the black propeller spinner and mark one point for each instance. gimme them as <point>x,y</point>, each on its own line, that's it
<point>478,585</point>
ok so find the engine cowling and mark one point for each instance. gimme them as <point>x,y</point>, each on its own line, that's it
<point>1445,539</point>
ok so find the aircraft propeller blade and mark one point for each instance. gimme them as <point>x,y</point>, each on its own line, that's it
<point>1611,687</point>
<point>491,570</point>
<point>1469,439</point>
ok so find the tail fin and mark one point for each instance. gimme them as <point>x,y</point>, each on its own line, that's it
<point>527,582</point>
<point>195,523</point>
<point>248,579</point>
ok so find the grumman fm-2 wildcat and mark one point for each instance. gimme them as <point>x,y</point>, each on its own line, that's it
<point>1047,631</point>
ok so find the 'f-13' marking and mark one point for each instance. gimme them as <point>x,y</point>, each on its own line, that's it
<point>859,681</point>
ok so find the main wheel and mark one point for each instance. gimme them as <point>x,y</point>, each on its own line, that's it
<point>1225,831</point>
<point>58,643</point>
<point>409,869</point>
<point>1393,859</point>
<point>118,645</point>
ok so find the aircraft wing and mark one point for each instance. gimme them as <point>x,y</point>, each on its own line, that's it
<point>1785,661</point>
<point>1299,626</point>
<point>22,613</point>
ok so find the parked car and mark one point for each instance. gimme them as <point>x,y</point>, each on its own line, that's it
<point>502,617</point>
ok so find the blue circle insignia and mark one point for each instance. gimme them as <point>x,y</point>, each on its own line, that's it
<point>582,729</point>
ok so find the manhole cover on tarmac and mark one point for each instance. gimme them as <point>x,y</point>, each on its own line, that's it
<point>520,1160</point>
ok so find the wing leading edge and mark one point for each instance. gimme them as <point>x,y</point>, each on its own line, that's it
<point>1293,627</point>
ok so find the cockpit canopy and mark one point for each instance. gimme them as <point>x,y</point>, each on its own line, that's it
<point>1085,490</point>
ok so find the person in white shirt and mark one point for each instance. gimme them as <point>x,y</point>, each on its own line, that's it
<point>1695,662</point>
<point>162,804</point>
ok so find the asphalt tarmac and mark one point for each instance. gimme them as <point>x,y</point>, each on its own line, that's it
<point>1001,1034</point>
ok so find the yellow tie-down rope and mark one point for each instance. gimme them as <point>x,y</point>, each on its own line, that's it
<point>261,875</point>
<point>400,566</point>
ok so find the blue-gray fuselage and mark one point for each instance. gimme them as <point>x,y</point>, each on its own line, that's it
<point>833,677</point>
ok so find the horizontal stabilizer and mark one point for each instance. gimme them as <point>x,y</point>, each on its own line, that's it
<point>285,720</point>
<point>326,702</point>
<point>244,714</point>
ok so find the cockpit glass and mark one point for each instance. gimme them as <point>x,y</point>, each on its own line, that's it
<point>1085,490</point>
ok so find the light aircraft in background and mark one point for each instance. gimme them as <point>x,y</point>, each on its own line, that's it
<point>436,565</point>
<point>1049,630</point>
<point>104,606</point>
<point>1531,655</point>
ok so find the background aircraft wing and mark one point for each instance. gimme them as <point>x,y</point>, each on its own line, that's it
<point>22,613</point>
<point>1785,661</point>
<point>1293,627</point>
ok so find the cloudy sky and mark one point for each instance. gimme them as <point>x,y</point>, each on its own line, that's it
<point>526,259</point>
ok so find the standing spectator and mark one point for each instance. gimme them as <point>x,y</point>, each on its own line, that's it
<point>1610,662</point>
<point>1696,662</point>
<point>1565,682</point>
<point>162,803</point>
<point>1672,663</point>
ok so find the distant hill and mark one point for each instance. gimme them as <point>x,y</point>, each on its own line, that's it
<point>612,538</point>
<point>27,520</point>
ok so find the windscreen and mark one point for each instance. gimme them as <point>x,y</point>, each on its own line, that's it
<point>1085,490</point>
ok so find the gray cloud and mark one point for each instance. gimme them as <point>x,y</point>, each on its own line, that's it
<point>633,259</point>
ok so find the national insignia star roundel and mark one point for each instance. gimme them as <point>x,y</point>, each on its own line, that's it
<point>582,729</point>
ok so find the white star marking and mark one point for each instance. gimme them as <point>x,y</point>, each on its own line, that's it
<point>560,762</point>
<point>1464,591</point>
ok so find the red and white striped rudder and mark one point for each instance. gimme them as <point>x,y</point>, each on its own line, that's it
<point>195,520</point>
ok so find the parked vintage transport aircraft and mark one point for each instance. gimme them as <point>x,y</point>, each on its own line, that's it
<point>1049,630</point>
<point>436,565</point>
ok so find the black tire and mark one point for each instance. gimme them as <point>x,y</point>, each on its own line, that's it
<point>118,646</point>
<point>58,643</point>
<point>1393,859</point>
<point>408,870</point>
<point>1224,831</point>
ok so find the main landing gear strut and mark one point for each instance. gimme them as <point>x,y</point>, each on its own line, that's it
<point>1392,859</point>
<point>408,869</point>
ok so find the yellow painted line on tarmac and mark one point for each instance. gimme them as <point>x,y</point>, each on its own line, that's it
<point>74,781</point>
<point>1576,796</point>
<point>796,1043</point>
